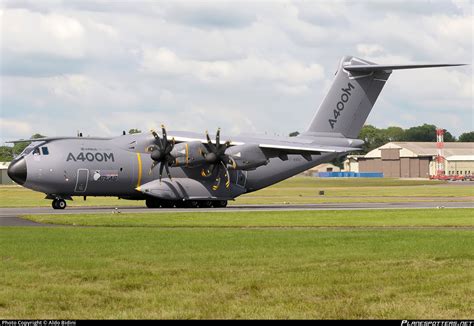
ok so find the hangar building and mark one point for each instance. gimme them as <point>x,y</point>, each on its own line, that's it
<point>417,159</point>
<point>4,178</point>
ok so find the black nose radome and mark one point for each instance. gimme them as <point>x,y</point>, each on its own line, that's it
<point>17,171</point>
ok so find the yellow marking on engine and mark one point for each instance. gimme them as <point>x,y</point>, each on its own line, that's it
<point>187,154</point>
<point>139,181</point>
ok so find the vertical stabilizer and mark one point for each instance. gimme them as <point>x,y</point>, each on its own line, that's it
<point>355,89</point>
<point>352,95</point>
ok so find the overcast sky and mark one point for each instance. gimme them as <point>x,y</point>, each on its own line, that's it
<point>106,66</point>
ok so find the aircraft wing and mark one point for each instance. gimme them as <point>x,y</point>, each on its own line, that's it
<point>298,148</point>
<point>48,139</point>
<point>288,145</point>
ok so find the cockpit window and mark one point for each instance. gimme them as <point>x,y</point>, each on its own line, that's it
<point>34,148</point>
<point>26,151</point>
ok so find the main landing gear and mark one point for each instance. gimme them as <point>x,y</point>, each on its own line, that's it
<point>157,203</point>
<point>59,203</point>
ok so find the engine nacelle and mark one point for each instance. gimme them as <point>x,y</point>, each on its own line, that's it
<point>247,157</point>
<point>189,154</point>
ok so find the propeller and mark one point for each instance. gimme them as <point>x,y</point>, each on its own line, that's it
<point>161,152</point>
<point>217,160</point>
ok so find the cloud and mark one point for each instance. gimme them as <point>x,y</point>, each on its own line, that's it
<point>369,50</point>
<point>54,43</point>
<point>102,67</point>
<point>13,127</point>
<point>210,14</point>
<point>165,62</point>
<point>32,32</point>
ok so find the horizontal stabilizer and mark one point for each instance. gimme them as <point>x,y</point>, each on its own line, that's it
<point>374,67</point>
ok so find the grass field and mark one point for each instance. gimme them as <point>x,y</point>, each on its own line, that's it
<point>295,190</point>
<point>400,264</point>
<point>461,217</point>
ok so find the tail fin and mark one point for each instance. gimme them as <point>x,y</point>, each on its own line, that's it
<point>355,89</point>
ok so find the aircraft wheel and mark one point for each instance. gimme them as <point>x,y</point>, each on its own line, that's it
<point>219,203</point>
<point>59,204</point>
<point>180,204</point>
<point>205,203</point>
<point>167,203</point>
<point>152,203</point>
<point>191,203</point>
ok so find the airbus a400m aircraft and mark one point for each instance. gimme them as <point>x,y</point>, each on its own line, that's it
<point>186,169</point>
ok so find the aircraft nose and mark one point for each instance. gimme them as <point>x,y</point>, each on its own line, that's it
<point>17,171</point>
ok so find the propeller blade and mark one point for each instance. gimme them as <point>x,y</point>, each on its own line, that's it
<point>164,140</point>
<point>218,179</point>
<point>157,139</point>
<point>227,176</point>
<point>169,146</point>
<point>217,184</point>
<point>167,170</point>
<point>153,164</point>
<point>218,137</point>
<point>161,170</point>
<point>163,131</point>
<point>214,168</point>
<point>209,143</point>
<point>232,162</point>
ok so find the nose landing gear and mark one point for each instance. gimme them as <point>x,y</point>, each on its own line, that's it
<point>59,203</point>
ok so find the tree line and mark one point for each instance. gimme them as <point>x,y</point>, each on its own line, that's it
<point>373,137</point>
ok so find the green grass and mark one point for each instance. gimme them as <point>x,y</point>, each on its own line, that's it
<point>16,196</point>
<point>195,265</point>
<point>187,273</point>
<point>295,190</point>
<point>358,218</point>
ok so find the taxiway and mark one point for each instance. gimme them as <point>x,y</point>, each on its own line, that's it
<point>12,216</point>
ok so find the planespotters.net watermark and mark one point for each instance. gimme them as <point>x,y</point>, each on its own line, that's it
<point>437,323</point>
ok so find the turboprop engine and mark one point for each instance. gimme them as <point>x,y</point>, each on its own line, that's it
<point>246,157</point>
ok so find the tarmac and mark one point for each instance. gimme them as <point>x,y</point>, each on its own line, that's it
<point>12,216</point>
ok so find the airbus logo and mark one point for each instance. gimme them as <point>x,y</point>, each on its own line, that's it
<point>340,105</point>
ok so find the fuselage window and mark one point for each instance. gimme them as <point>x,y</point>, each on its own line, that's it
<point>36,151</point>
<point>45,150</point>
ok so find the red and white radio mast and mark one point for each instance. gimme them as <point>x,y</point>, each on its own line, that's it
<point>440,171</point>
